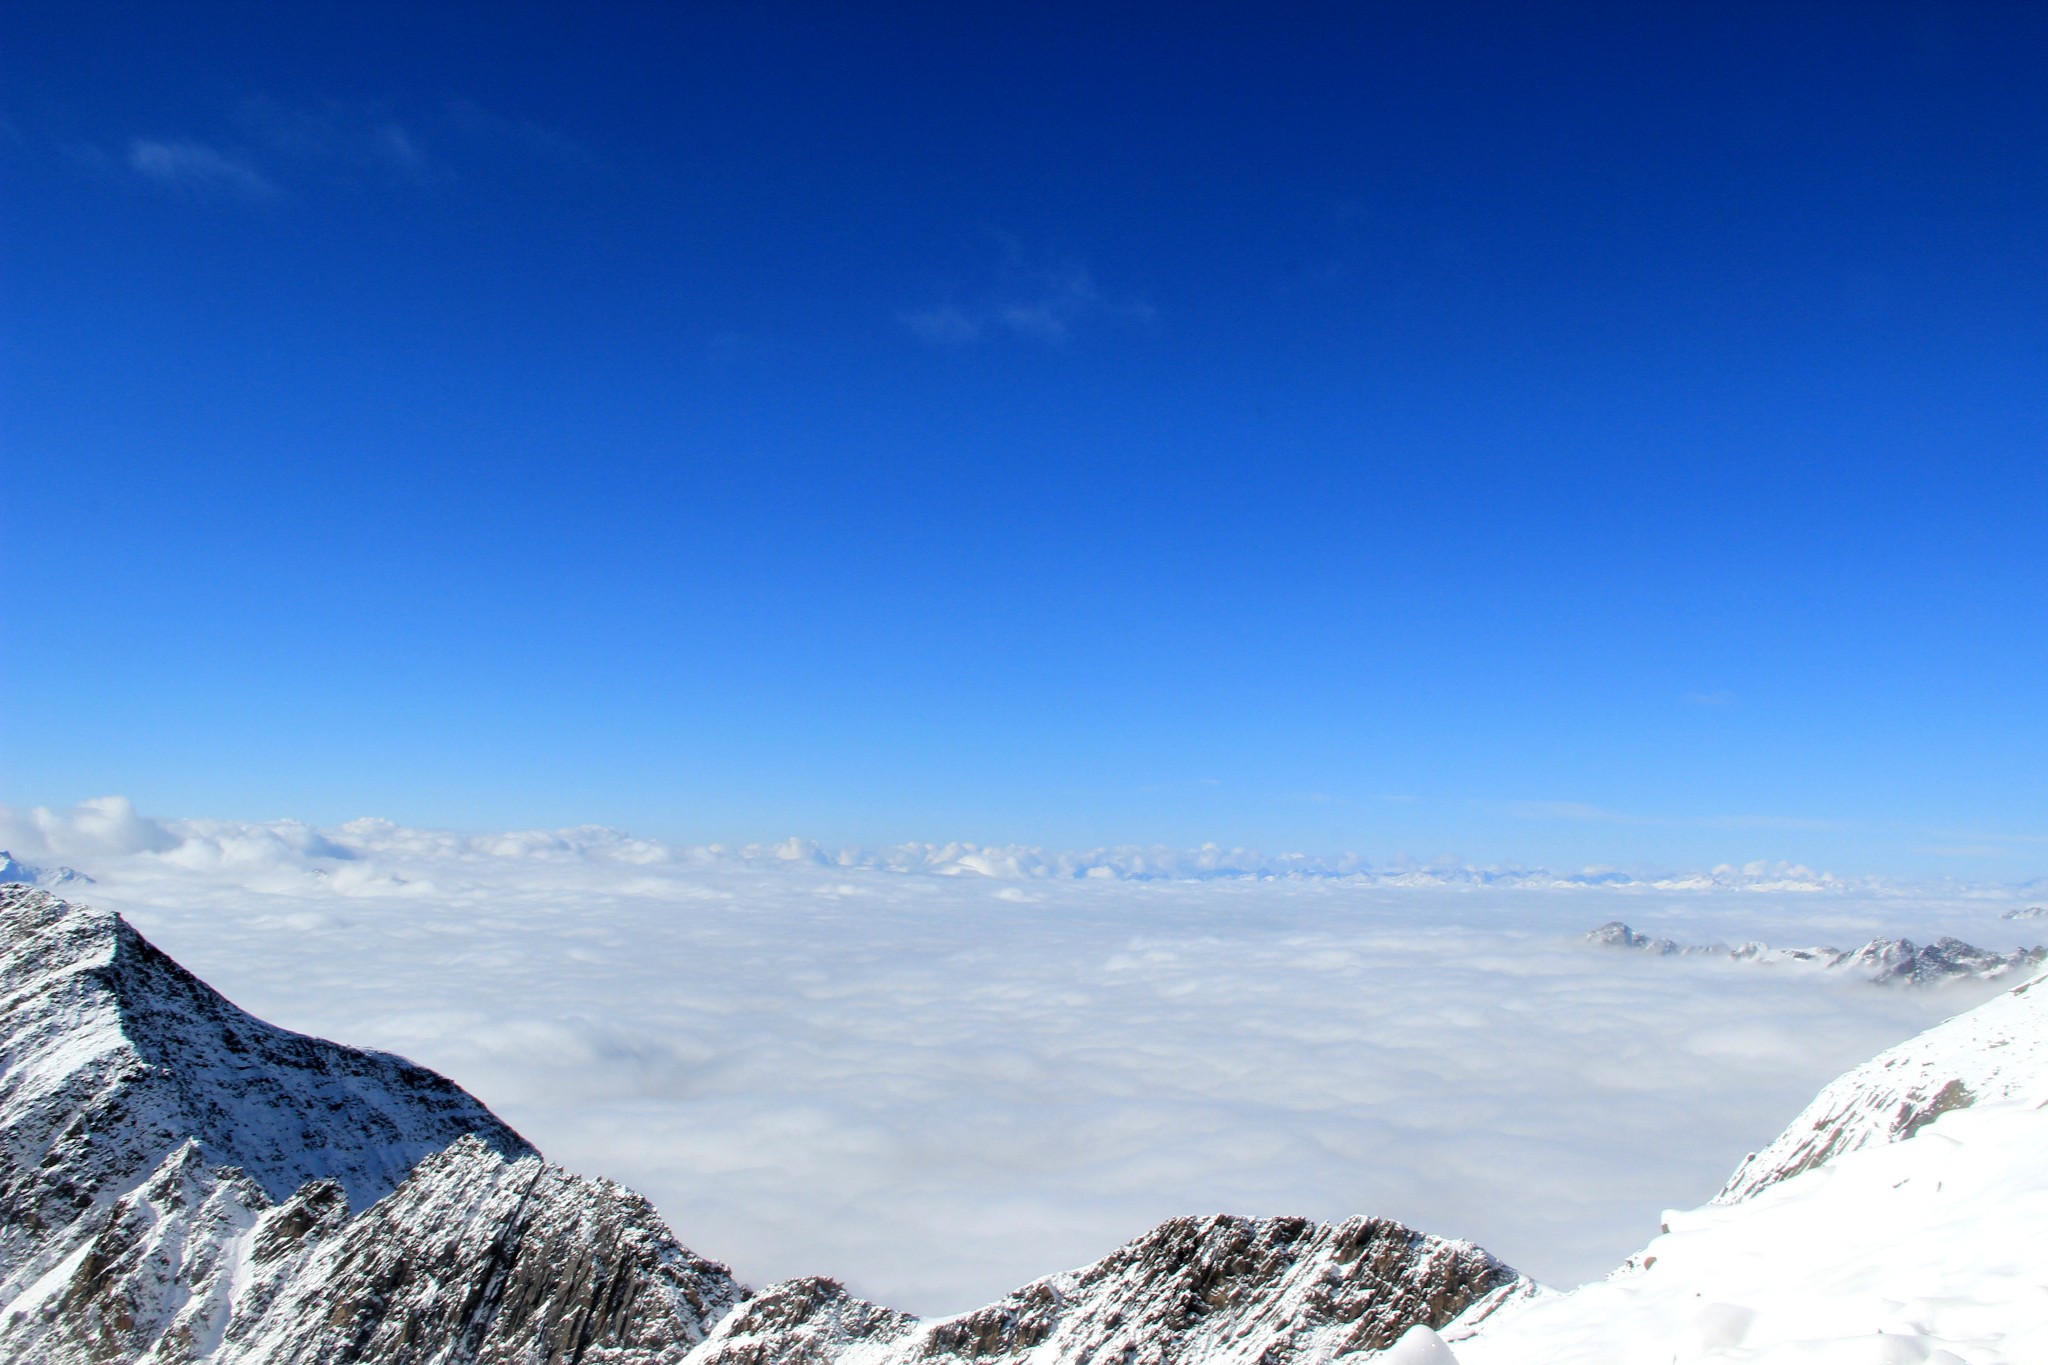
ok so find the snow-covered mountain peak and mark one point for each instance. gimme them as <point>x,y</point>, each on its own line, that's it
<point>113,1057</point>
<point>13,870</point>
<point>93,1015</point>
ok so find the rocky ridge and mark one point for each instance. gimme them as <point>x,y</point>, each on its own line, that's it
<point>1886,961</point>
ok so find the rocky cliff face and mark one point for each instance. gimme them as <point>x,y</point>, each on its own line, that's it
<point>181,1182</point>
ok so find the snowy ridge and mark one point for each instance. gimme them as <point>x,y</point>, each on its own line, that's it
<point>1928,1250</point>
<point>1996,1053</point>
<point>1214,1290</point>
<point>13,870</point>
<point>112,1058</point>
<point>1882,960</point>
<point>1898,1219</point>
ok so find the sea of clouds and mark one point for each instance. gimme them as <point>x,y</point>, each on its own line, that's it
<point>938,1071</point>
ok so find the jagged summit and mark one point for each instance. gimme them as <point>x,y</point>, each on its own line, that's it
<point>1221,1289</point>
<point>1883,960</point>
<point>97,1025</point>
<point>113,1058</point>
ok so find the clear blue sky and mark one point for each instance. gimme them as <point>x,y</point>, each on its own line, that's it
<point>1542,433</point>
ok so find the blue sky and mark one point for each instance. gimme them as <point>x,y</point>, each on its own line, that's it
<point>1485,431</point>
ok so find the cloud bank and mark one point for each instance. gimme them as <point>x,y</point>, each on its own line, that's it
<point>939,1070</point>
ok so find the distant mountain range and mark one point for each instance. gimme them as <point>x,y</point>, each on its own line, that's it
<point>1884,960</point>
<point>181,1182</point>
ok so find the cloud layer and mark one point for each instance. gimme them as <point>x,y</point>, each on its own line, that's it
<point>940,1070</point>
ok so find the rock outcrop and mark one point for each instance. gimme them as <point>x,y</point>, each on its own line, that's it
<point>1272,1290</point>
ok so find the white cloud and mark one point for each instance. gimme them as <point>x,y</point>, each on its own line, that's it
<point>944,326</point>
<point>354,138</point>
<point>195,166</point>
<point>105,827</point>
<point>1043,302</point>
<point>337,142</point>
<point>939,1070</point>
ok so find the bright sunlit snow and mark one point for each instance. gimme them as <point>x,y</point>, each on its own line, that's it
<point>938,1073</point>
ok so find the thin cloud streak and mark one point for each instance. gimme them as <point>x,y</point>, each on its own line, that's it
<point>191,166</point>
<point>1043,302</point>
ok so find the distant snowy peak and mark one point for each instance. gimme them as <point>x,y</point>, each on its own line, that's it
<point>1889,960</point>
<point>1996,1052</point>
<point>2027,912</point>
<point>14,871</point>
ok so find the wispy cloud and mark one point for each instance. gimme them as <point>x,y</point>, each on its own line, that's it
<point>542,141</point>
<point>1711,698</point>
<point>265,149</point>
<point>1032,300</point>
<point>942,326</point>
<point>352,139</point>
<point>196,167</point>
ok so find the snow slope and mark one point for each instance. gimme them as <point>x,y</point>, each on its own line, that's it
<point>1997,1052</point>
<point>1924,1250</point>
<point>1902,1217</point>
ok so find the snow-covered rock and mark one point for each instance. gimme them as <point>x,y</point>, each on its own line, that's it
<point>1218,1289</point>
<point>113,1058</point>
<point>1883,960</point>
<point>15,871</point>
<point>1997,1052</point>
<point>176,1180</point>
